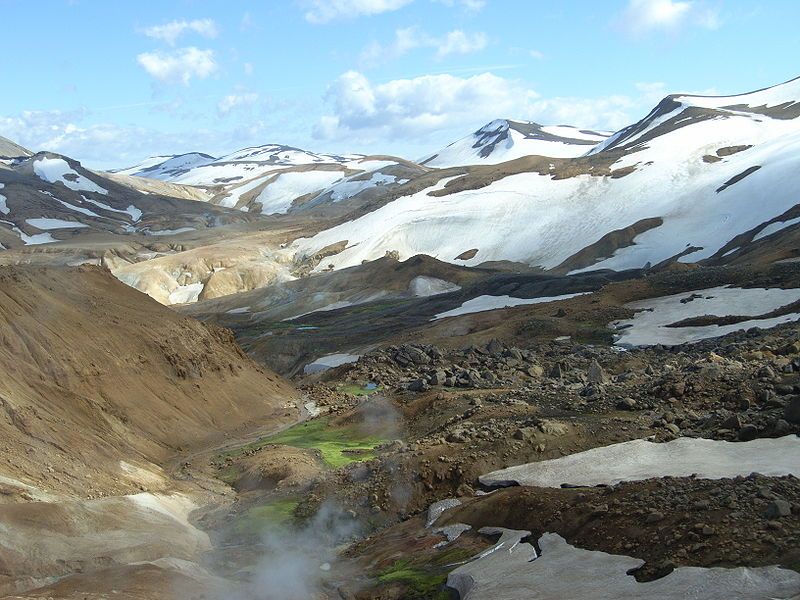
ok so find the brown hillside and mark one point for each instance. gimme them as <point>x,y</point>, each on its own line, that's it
<point>93,372</point>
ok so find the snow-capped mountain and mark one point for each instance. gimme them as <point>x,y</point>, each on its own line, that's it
<point>47,198</point>
<point>503,140</point>
<point>201,169</point>
<point>167,168</point>
<point>698,177</point>
<point>268,179</point>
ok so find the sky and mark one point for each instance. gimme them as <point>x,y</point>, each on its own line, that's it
<point>110,83</point>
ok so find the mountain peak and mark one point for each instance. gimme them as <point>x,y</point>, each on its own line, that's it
<point>502,140</point>
<point>9,149</point>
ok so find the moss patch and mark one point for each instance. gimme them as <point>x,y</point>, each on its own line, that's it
<point>420,583</point>
<point>266,517</point>
<point>339,446</point>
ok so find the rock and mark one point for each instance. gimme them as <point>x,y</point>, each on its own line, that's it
<point>673,428</point>
<point>778,508</point>
<point>792,411</point>
<point>438,378</point>
<point>781,428</point>
<point>535,371</point>
<point>595,373</point>
<point>553,428</point>
<point>519,434</point>
<point>748,432</point>
<point>556,372</point>
<point>417,356</point>
<point>489,376</point>
<point>418,385</point>
<point>495,347</point>
<point>457,437</point>
<point>766,372</point>
<point>654,517</point>
<point>626,404</point>
<point>732,422</point>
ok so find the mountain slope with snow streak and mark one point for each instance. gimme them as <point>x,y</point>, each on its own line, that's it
<point>47,198</point>
<point>167,168</point>
<point>269,179</point>
<point>9,149</point>
<point>698,177</point>
<point>503,140</point>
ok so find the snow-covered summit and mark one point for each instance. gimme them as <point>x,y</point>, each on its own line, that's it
<point>278,154</point>
<point>167,168</point>
<point>780,102</point>
<point>697,178</point>
<point>505,139</point>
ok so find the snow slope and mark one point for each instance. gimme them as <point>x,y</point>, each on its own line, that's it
<point>56,170</point>
<point>701,176</point>
<point>649,326</point>
<point>248,163</point>
<point>503,140</point>
<point>166,168</point>
<point>511,570</point>
<point>484,303</point>
<point>639,459</point>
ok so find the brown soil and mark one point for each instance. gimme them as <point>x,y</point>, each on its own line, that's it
<point>95,372</point>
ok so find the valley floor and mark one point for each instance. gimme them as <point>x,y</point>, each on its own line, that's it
<point>523,457</point>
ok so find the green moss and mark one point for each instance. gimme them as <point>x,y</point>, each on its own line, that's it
<point>421,584</point>
<point>339,446</point>
<point>266,517</point>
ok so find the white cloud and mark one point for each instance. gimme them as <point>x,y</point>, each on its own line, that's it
<point>407,107</point>
<point>537,54</point>
<point>248,68</point>
<point>232,102</point>
<point>179,65</point>
<point>170,32</point>
<point>324,11</point>
<point>412,109</point>
<point>412,38</point>
<point>642,16</point>
<point>470,5</point>
<point>458,42</point>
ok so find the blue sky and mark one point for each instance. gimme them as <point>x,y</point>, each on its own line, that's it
<point>110,83</point>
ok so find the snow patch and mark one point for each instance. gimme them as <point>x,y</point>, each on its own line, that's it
<point>775,227</point>
<point>277,197</point>
<point>55,170</point>
<point>47,224</point>
<point>484,303</point>
<point>649,326</point>
<point>3,206</point>
<point>184,294</point>
<point>423,286</point>
<point>639,459</point>
<point>512,571</point>
<point>328,362</point>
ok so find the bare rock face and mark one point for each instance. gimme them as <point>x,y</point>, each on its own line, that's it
<point>596,374</point>
<point>792,411</point>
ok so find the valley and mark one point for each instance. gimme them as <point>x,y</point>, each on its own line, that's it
<point>541,362</point>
